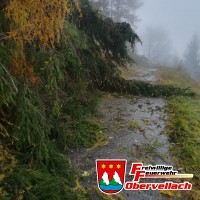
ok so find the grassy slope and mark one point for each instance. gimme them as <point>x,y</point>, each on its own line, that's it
<point>184,125</point>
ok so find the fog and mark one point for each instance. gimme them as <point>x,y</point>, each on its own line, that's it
<point>169,29</point>
<point>180,19</point>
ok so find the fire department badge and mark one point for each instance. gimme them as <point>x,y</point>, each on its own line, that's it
<point>110,175</point>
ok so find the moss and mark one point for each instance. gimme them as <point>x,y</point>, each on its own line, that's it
<point>167,193</point>
<point>101,140</point>
<point>134,124</point>
<point>146,121</point>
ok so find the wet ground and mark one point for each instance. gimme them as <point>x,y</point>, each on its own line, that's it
<point>135,130</point>
<point>145,74</point>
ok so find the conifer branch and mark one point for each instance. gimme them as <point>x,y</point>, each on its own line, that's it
<point>10,77</point>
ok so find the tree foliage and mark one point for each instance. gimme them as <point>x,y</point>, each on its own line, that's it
<point>112,37</point>
<point>38,23</point>
<point>36,20</point>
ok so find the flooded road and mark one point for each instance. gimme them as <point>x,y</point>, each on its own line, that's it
<point>135,130</point>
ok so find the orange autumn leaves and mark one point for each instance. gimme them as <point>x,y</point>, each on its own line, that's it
<point>41,20</point>
<point>36,21</point>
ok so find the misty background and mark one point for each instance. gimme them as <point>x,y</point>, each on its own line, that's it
<point>179,18</point>
<point>169,30</point>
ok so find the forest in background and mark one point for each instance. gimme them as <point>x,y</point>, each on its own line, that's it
<point>157,45</point>
<point>56,57</point>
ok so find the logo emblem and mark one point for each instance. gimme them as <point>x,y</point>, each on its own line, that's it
<point>110,175</point>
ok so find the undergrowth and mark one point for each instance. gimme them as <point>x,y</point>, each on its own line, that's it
<point>44,116</point>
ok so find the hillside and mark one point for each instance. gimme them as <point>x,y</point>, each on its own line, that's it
<point>56,59</point>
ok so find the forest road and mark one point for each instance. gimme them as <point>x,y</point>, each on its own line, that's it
<point>135,130</point>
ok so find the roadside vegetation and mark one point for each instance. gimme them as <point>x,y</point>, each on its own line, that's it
<point>54,59</point>
<point>183,126</point>
<point>51,75</point>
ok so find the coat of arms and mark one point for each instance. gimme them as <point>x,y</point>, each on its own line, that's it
<point>110,175</point>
